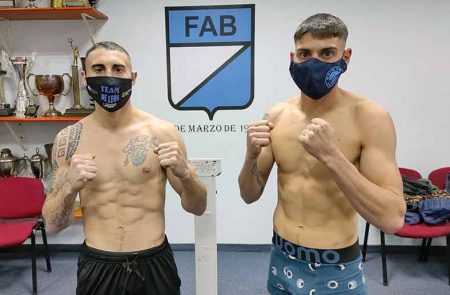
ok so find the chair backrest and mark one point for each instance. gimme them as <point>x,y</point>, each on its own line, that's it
<point>439,176</point>
<point>21,197</point>
<point>410,173</point>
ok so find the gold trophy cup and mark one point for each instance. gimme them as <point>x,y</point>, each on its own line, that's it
<point>50,85</point>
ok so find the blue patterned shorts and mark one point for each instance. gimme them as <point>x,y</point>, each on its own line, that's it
<point>290,275</point>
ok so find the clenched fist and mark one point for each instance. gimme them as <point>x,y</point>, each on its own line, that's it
<point>258,136</point>
<point>170,156</point>
<point>318,138</point>
<point>82,169</point>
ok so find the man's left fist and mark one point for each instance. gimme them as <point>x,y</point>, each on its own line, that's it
<point>318,138</point>
<point>170,156</point>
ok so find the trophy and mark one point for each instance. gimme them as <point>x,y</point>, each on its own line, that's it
<point>31,4</point>
<point>77,110</point>
<point>48,150</point>
<point>38,165</point>
<point>20,66</point>
<point>5,109</point>
<point>49,85</point>
<point>56,3</point>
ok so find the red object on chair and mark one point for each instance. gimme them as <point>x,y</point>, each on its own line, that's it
<point>439,176</point>
<point>21,201</point>
<point>410,173</point>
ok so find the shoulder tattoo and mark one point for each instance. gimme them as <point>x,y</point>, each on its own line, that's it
<point>73,139</point>
<point>67,141</point>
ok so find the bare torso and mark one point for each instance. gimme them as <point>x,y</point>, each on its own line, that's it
<point>312,211</point>
<point>123,206</point>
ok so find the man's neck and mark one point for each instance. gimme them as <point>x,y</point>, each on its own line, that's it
<point>114,120</point>
<point>323,105</point>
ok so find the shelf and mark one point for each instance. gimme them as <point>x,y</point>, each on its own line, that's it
<point>40,119</point>
<point>50,13</point>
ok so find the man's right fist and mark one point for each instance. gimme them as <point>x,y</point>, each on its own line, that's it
<point>82,169</point>
<point>258,136</point>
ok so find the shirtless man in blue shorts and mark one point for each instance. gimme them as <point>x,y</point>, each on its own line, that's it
<point>335,153</point>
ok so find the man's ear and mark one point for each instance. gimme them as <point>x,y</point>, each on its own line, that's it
<point>347,55</point>
<point>83,78</point>
<point>133,78</point>
<point>291,55</point>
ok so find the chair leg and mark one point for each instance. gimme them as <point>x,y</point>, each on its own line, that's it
<point>422,250</point>
<point>33,262</point>
<point>448,257</point>
<point>427,249</point>
<point>366,236</point>
<point>47,257</point>
<point>383,259</point>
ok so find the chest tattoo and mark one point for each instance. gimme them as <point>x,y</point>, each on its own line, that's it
<point>137,149</point>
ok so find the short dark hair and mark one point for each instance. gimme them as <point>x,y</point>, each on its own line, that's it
<point>322,26</point>
<point>108,45</point>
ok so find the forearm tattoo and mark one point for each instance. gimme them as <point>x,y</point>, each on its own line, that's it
<point>64,209</point>
<point>60,180</point>
<point>49,190</point>
<point>57,182</point>
<point>256,173</point>
<point>137,149</point>
<point>54,163</point>
<point>61,218</point>
<point>265,117</point>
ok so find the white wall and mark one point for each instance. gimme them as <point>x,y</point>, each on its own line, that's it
<point>399,60</point>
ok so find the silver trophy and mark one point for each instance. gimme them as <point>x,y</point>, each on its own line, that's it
<point>20,66</point>
<point>5,109</point>
<point>31,4</point>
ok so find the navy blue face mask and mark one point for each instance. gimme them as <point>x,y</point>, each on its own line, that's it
<point>111,93</point>
<point>316,78</point>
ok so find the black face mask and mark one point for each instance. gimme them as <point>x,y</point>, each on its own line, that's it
<point>110,93</point>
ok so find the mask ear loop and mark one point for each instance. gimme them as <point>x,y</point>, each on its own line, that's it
<point>291,56</point>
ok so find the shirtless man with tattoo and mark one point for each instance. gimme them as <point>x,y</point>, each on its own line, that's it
<point>118,160</point>
<point>335,153</point>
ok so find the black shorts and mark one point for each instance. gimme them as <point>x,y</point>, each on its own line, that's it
<point>151,271</point>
